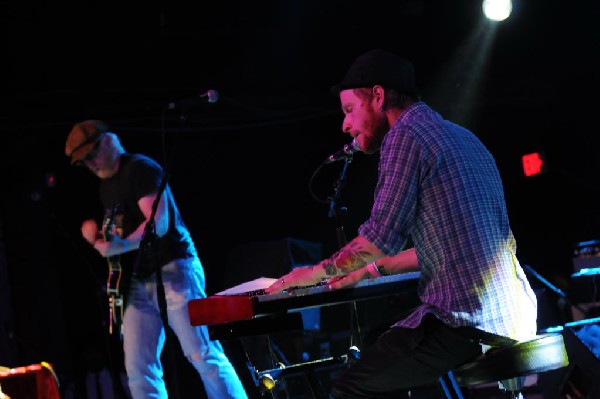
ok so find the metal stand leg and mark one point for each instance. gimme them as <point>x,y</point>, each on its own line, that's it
<point>450,387</point>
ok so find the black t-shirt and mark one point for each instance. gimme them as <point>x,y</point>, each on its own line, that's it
<point>139,176</point>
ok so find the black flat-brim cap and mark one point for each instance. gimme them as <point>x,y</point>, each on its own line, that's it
<point>379,67</point>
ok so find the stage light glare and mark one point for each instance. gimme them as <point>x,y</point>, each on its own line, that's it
<point>497,10</point>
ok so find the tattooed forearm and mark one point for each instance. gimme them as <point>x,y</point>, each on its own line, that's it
<point>330,268</point>
<point>350,258</point>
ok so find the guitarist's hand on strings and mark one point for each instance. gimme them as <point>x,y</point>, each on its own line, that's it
<point>91,233</point>
<point>115,246</point>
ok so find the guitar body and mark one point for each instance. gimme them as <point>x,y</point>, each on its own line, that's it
<point>115,283</point>
<point>116,300</point>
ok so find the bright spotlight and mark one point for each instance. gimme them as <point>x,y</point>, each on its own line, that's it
<point>497,10</point>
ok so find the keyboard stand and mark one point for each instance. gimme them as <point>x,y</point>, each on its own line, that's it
<point>265,325</point>
<point>258,383</point>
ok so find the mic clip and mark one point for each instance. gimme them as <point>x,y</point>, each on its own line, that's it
<point>210,97</point>
<point>346,153</point>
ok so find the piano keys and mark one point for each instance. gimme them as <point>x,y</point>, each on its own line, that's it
<point>219,309</point>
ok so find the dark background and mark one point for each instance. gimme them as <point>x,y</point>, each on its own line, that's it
<point>240,168</point>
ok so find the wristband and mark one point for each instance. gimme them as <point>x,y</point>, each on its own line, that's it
<point>373,270</point>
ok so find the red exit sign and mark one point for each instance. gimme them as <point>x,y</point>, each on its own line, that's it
<point>533,164</point>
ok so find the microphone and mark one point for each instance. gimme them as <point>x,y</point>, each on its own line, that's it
<point>210,96</point>
<point>345,153</point>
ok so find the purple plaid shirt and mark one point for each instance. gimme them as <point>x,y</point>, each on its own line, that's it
<point>440,186</point>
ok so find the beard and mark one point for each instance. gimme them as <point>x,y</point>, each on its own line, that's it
<point>374,130</point>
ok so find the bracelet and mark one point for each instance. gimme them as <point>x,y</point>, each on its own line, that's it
<point>374,270</point>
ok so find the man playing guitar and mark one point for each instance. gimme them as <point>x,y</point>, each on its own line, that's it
<point>135,182</point>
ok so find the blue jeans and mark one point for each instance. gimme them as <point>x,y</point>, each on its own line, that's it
<point>144,335</point>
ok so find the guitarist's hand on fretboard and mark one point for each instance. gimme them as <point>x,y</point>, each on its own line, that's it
<point>89,231</point>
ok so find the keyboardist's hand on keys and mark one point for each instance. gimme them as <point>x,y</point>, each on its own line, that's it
<point>299,277</point>
<point>348,280</point>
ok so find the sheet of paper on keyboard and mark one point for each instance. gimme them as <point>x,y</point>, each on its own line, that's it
<point>249,286</point>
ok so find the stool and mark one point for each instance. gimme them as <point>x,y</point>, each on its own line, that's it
<point>509,365</point>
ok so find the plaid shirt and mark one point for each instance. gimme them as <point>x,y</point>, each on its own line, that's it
<point>439,186</point>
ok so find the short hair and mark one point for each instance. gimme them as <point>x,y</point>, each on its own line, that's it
<point>393,97</point>
<point>114,142</point>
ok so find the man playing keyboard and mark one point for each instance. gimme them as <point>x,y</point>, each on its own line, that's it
<point>439,188</point>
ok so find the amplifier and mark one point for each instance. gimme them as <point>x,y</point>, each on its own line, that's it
<point>586,255</point>
<point>36,381</point>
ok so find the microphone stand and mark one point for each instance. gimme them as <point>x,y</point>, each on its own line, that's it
<point>149,240</point>
<point>563,300</point>
<point>336,212</point>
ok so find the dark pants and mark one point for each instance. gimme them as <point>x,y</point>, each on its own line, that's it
<point>404,358</point>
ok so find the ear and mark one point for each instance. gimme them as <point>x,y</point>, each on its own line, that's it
<point>379,96</point>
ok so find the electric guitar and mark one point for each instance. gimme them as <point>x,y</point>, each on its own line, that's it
<point>115,273</point>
